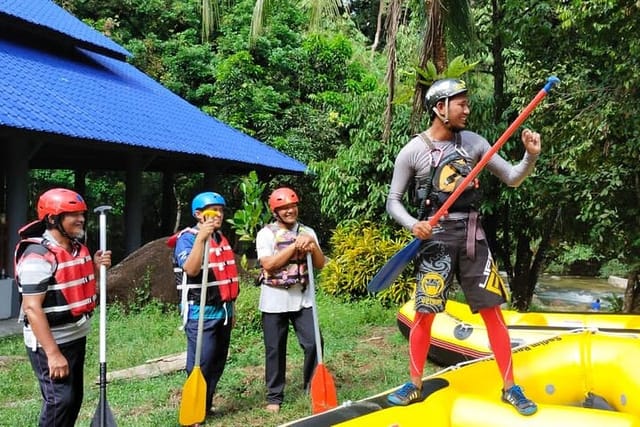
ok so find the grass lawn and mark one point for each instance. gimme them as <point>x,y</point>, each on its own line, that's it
<point>364,351</point>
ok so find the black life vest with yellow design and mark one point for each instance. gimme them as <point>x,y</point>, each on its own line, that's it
<point>447,173</point>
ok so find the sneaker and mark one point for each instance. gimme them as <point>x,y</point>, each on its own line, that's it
<point>518,400</point>
<point>407,394</point>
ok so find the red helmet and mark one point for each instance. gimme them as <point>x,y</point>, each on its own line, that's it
<point>282,197</point>
<point>59,200</point>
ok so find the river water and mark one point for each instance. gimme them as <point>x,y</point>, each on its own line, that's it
<point>573,293</point>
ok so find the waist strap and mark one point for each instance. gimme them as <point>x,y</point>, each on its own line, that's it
<point>472,227</point>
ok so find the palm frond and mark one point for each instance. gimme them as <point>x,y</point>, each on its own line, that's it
<point>320,10</point>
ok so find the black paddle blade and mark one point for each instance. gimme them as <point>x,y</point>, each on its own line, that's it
<point>392,269</point>
<point>105,419</point>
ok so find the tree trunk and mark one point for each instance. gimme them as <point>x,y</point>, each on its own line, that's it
<point>501,102</point>
<point>522,273</point>
<point>433,48</point>
<point>631,302</point>
<point>393,21</point>
<point>376,39</point>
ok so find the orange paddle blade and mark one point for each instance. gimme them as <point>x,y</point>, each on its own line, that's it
<point>194,399</point>
<point>323,390</point>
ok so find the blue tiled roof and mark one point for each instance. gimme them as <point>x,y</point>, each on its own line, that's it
<point>87,95</point>
<point>47,15</point>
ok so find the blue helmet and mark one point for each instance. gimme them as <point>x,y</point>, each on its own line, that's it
<point>206,199</point>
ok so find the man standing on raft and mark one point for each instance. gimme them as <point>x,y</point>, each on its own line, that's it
<point>437,160</point>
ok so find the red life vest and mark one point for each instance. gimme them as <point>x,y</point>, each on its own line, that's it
<point>71,293</point>
<point>223,285</point>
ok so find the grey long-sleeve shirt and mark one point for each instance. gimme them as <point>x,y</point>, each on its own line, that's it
<point>415,160</point>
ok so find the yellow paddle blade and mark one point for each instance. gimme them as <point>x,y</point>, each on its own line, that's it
<point>323,390</point>
<point>194,399</point>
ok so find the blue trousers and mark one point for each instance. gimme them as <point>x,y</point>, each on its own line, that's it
<point>61,398</point>
<point>216,337</point>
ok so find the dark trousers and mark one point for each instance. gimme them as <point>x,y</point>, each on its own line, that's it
<point>275,328</point>
<point>61,398</point>
<point>216,337</point>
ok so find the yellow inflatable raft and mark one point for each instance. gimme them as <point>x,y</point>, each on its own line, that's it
<point>458,335</point>
<point>583,379</point>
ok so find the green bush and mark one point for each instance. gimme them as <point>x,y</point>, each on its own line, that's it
<point>614,267</point>
<point>246,308</point>
<point>576,258</point>
<point>358,250</point>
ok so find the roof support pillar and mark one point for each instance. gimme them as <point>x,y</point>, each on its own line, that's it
<point>17,173</point>
<point>133,204</point>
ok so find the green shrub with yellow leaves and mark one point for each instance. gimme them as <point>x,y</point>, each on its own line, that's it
<point>358,251</point>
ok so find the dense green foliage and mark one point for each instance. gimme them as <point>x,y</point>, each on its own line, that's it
<point>320,96</point>
<point>586,188</point>
<point>357,249</point>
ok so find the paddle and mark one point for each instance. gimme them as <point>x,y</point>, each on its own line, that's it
<point>323,389</point>
<point>103,416</point>
<point>193,403</point>
<point>392,269</point>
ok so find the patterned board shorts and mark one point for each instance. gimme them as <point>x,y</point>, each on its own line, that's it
<point>447,255</point>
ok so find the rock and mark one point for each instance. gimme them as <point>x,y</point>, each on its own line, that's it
<point>618,282</point>
<point>147,272</point>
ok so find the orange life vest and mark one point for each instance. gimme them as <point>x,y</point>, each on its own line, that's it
<point>223,284</point>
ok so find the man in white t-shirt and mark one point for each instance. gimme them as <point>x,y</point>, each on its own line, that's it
<point>282,248</point>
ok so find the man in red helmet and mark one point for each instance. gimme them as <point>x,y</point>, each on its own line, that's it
<point>56,276</point>
<point>282,248</point>
<point>436,161</point>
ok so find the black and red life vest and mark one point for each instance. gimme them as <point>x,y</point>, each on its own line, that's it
<point>71,293</point>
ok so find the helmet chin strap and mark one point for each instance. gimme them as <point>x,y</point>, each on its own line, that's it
<point>445,118</point>
<point>281,220</point>
<point>57,223</point>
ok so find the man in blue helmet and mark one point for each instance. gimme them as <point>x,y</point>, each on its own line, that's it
<point>436,161</point>
<point>221,287</point>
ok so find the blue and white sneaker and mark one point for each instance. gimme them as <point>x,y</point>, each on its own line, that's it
<point>405,395</point>
<point>515,396</point>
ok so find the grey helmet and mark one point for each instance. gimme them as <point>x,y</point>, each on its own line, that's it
<point>443,89</point>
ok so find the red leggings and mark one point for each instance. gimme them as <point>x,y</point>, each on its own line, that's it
<point>497,332</point>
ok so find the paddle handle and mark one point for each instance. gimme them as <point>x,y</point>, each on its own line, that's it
<point>102,211</point>
<point>203,300</point>
<point>494,149</point>
<point>314,308</point>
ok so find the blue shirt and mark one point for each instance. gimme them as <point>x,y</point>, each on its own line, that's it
<point>183,248</point>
